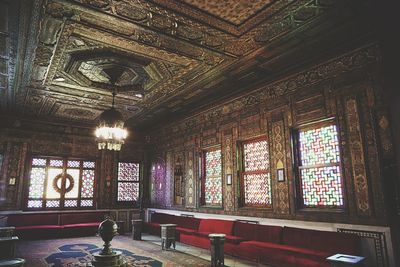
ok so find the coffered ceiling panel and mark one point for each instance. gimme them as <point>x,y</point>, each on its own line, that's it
<point>162,57</point>
<point>233,11</point>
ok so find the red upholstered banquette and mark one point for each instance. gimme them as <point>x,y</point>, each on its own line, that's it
<point>55,225</point>
<point>266,244</point>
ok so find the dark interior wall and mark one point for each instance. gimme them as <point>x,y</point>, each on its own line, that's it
<point>20,139</point>
<point>347,88</point>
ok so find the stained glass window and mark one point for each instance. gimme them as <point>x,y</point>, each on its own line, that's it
<point>256,180</point>
<point>319,167</point>
<point>128,181</point>
<point>61,183</point>
<point>212,185</point>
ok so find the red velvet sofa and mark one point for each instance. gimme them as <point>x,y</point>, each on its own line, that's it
<point>55,225</point>
<point>292,247</point>
<point>35,226</point>
<point>270,245</point>
<point>184,224</point>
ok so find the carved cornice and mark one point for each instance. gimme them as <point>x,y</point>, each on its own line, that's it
<point>358,59</point>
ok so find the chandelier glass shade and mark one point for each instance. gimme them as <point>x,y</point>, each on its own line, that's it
<point>110,132</point>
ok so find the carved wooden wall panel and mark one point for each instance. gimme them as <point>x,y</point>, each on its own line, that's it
<point>228,157</point>
<point>24,138</point>
<point>317,93</point>
<point>357,157</point>
<point>281,201</point>
<point>13,173</point>
<point>190,180</point>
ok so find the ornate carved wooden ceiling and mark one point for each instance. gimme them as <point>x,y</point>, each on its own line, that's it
<point>163,57</point>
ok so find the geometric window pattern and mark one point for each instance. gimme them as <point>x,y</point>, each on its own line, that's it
<point>128,181</point>
<point>61,183</point>
<point>213,178</point>
<point>256,174</point>
<point>320,175</point>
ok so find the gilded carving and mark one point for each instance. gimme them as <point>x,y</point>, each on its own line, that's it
<point>281,189</point>
<point>357,157</point>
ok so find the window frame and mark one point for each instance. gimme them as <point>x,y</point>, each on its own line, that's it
<point>139,182</point>
<point>242,172</point>
<point>297,166</point>
<point>63,183</point>
<point>204,177</point>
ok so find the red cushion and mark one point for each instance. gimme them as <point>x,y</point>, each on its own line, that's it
<point>81,217</point>
<point>268,233</point>
<point>37,227</point>
<point>245,230</point>
<point>216,226</point>
<point>280,255</point>
<point>32,219</point>
<point>202,234</point>
<point>233,239</point>
<point>162,218</point>
<point>330,242</point>
<point>187,222</point>
<point>92,224</point>
<point>197,241</point>
<point>185,230</point>
<point>273,247</point>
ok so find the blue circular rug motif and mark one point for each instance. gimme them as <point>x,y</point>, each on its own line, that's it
<point>75,255</point>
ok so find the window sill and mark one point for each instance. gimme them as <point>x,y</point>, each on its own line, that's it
<point>322,210</point>
<point>212,207</point>
<point>245,208</point>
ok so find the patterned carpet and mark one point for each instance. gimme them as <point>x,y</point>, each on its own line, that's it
<point>73,252</point>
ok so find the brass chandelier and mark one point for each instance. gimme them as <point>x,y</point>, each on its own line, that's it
<point>110,132</point>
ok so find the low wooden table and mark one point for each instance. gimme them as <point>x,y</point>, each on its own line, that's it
<point>167,235</point>
<point>339,260</point>
<point>121,227</point>
<point>137,229</point>
<point>217,249</point>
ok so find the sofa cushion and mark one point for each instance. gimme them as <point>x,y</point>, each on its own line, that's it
<point>277,248</point>
<point>32,219</point>
<point>187,222</point>
<point>202,234</point>
<point>216,226</point>
<point>233,239</point>
<point>280,255</point>
<point>163,218</point>
<point>268,233</point>
<point>330,242</point>
<point>185,230</point>
<point>94,224</point>
<point>81,217</point>
<point>31,227</point>
<point>245,230</point>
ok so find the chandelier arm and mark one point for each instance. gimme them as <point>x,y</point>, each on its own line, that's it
<point>113,98</point>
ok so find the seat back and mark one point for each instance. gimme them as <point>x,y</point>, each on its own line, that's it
<point>81,217</point>
<point>330,242</point>
<point>32,219</point>
<point>216,226</point>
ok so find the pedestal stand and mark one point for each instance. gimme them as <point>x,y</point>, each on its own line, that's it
<point>107,257</point>
<point>217,249</point>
